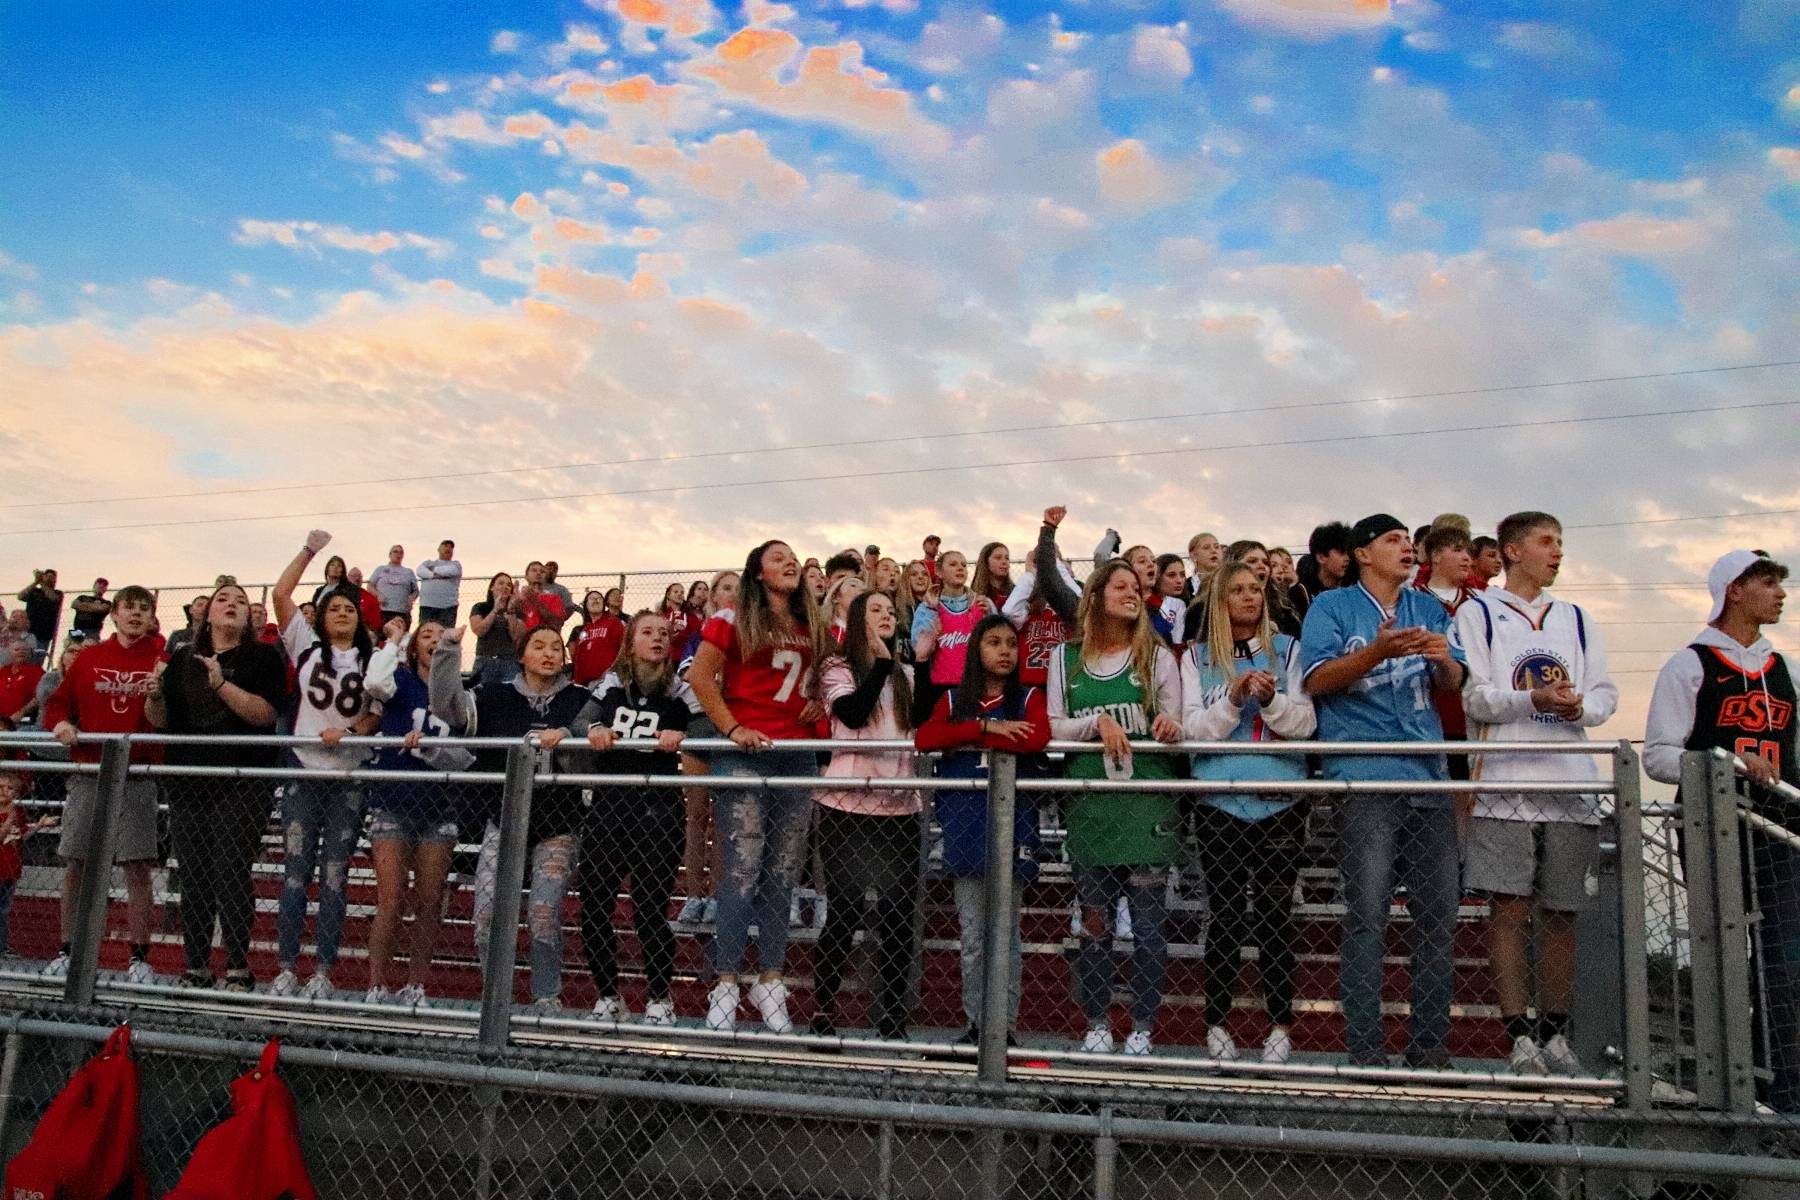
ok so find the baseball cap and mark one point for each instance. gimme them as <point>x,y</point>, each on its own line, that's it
<point>1724,573</point>
<point>1372,527</point>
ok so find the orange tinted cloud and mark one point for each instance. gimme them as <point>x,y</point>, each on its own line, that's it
<point>832,84</point>
<point>683,18</point>
<point>1130,175</point>
<point>725,167</point>
<point>1312,20</point>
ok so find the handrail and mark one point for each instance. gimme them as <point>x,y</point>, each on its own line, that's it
<point>861,745</point>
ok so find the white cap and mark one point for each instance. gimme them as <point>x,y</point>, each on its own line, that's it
<point>1724,573</point>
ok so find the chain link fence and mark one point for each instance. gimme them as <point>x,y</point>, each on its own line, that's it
<point>352,912</point>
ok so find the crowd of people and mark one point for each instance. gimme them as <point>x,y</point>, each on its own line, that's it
<point>1377,633</point>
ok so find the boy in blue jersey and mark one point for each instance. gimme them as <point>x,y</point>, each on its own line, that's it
<point>1372,653</point>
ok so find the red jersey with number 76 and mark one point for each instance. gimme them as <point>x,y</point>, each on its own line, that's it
<point>763,691</point>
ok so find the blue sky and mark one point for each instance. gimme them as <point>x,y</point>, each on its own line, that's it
<point>319,248</point>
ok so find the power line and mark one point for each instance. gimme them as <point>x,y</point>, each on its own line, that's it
<point>916,437</point>
<point>863,475</point>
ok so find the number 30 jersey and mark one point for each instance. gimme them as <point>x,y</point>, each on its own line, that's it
<point>763,691</point>
<point>330,697</point>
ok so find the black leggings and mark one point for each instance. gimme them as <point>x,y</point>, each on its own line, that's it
<point>1260,861</point>
<point>216,828</point>
<point>863,853</point>
<point>636,832</point>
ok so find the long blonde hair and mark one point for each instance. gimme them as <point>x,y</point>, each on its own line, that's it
<point>1219,642</point>
<point>1144,642</point>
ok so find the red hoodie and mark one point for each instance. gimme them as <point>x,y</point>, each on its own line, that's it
<point>104,692</point>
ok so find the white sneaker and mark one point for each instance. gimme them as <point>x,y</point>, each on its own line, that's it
<point>693,911</point>
<point>710,916</point>
<point>58,968</point>
<point>1278,1047</point>
<point>609,1008</point>
<point>722,1006</point>
<point>1220,1045</point>
<point>412,995</point>
<point>378,995</point>
<point>140,972</point>
<point>770,999</point>
<point>1528,1058</point>
<point>1099,1040</point>
<point>1075,921</point>
<point>1559,1056</point>
<point>818,913</point>
<point>1122,922</point>
<point>1138,1042</point>
<point>547,1004</point>
<point>660,1013</point>
<point>285,984</point>
<point>318,987</point>
<point>794,911</point>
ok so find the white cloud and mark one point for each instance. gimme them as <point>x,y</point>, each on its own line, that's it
<point>1311,20</point>
<point>506,41</point>
<point>18,270</point>
<point>1157,52</point>
<point>311,235</point>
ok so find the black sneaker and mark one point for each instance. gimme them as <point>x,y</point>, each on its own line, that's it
<point>823,1025</point>
<point>970,1037</point>
<point>1368,1058</point>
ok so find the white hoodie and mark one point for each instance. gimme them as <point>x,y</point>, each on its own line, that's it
<point>1671,718</point>
<point>1512,646</point>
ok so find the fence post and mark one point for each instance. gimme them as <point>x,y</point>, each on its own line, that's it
<point>502,950</point>
<point>1716,921</point>
<point>996,969</point>
<point>1106,1158</point>
<point>1634,983</point>
<point>96,873</point>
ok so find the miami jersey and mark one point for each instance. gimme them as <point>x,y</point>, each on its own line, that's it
<point>1392,703</point>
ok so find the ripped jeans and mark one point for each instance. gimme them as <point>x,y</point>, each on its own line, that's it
<point>764,831</point>
<point>320,821</point>
<point>552,866</point>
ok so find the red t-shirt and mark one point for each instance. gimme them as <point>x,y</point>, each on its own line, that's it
<point>594,647</point>
<point>104,692</point>
<point>763,691</point>
<point>18,684</point>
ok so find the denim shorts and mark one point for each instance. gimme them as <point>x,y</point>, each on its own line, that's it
<point>386,825</point>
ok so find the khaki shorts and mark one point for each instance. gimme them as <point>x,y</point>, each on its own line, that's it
<point>1550,861</point>
<point>134,833</point>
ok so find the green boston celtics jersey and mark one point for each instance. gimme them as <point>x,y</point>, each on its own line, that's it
<point>1117,829</point>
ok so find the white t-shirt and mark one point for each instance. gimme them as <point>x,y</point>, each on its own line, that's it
<point>328,700</point>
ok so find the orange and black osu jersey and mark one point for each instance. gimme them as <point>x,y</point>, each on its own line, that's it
<point>1746,712</point>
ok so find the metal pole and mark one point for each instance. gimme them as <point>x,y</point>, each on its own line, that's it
<point>1634,945</point>
<point>1106,1158</point>
<point>96,874</point>
<point>9,1078</point>
<point>1734,936</point>
<point>502,952</point>
<point>996,1009</point>
<point>1703,928</point>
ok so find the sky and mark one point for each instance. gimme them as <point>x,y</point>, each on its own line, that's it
<point>639,283</point>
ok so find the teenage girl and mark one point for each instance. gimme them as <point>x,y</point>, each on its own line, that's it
<point>702,855</point>
<point>1116,683</point>
<point>596,642</point>
<point>1242,683</point>
<point>993,574</point>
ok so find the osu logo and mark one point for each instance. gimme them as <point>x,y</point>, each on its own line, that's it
<point>1755,712</point>
<point>1536,671</point>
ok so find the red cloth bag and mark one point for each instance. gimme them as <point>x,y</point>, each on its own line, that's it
<point>254,1154</point>
<point>86,1146</point>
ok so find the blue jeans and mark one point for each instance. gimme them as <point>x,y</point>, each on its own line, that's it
<point>971,916</point>
<point>7,888</point>
<point>320,822</point>
<point>552,865</point>
<point>1143,889</point>
<point>1374,831</point>
<point>764,831</point>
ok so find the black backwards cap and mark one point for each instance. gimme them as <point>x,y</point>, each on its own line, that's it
<point>1370,528</point>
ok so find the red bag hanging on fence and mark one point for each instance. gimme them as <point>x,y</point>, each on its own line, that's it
<point>86,1145</point>
<point>254,1154</point>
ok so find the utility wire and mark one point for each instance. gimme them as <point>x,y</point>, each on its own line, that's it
<point>911,437</point>
<point>937,470</point>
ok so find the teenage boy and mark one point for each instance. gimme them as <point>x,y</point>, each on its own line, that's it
<point>1327,561</point>
<point>440,586</point>
<point>928,553</point>
<point>395,586</point>
<point>1486,565</point>
<point>104,691</point>
<point>91,609</point>
<point>1537,673</point>
<point>1372,654</point>
<point>1729,689</point>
